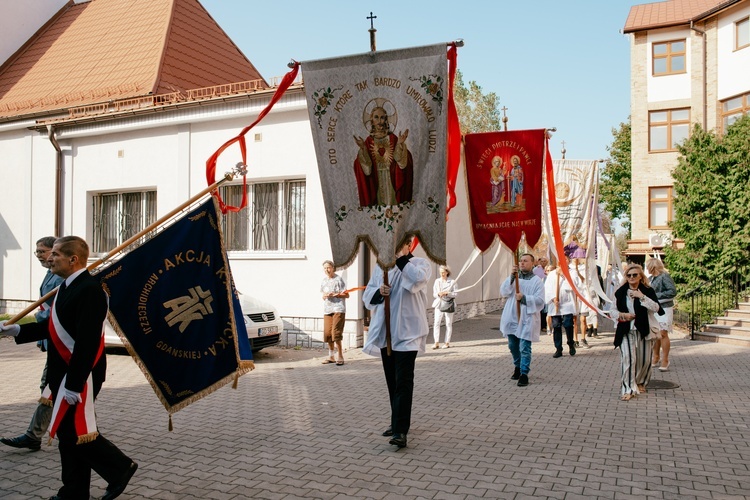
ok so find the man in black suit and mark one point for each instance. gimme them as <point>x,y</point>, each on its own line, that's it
<point>76,371</point>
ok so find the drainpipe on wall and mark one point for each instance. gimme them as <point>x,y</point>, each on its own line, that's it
<point>58,180</point>
<point>705,69</point>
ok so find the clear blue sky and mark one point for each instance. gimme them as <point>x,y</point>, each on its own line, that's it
<point>552,63</point>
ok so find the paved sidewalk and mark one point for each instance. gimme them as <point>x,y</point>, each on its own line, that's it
<point>295,428</point>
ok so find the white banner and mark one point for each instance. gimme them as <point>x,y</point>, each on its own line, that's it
<point>379,128</point>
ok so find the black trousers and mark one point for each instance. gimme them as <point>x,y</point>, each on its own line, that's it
<point>558,322</point>
<point>78,460</point>
<point>399,375</point>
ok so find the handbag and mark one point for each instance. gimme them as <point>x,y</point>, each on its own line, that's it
<point>447,305</point>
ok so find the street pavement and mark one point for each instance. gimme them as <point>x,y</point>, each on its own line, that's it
<point>295,428</point>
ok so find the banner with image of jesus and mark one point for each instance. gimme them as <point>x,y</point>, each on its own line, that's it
<point>504,179</point>
<point>379,128</point>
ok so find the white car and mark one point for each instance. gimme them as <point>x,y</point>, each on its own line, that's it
<point>264,326</point>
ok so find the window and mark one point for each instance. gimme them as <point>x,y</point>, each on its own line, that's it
<point>273,221</point>
<point>659,207</point>
<point>742,34</point>
<point>667,128</point>
<point>669,57</point>
<point>733,109</point>
<point>116,217</point>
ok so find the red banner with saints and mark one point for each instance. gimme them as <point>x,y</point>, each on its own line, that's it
<point>504,180</point>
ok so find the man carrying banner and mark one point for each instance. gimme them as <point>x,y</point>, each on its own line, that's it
<point>76,371</point>
<point>407,289</point>
<point>522,330</point>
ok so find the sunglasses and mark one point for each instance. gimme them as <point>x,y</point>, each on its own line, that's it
<point>632,275</point>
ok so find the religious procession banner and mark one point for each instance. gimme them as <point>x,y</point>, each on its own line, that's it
<point>504,182</point>
<point>576,195</point>
<point>379,127</point>
<point>173,302</point>
<point>575,182</point>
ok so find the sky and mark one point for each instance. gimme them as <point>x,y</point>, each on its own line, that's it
<point>552,63</point>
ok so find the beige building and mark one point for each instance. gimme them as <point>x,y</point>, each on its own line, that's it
<point>689,63</point>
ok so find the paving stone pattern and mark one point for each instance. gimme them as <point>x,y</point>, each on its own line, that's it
<point>295,428</point>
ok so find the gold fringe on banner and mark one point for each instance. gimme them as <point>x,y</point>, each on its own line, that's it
<point>87,438</point>
<point>170,423</point>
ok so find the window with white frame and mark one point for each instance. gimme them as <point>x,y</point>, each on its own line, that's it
<point>742,34</point>
<point>733,109</point>
<point>118,216</point>
<point>667,128</point>
<point>659,207</point>
<point>668,57</point>
<point>274,220</point>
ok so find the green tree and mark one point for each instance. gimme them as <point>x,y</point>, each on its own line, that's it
<point>711,204</point>
<point>477,112</point>
<point>614,187</point>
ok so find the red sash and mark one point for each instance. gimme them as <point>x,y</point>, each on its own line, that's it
<point>85,417</point>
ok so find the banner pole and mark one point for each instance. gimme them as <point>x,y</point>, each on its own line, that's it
<point>387,311</point>
<point>518,287</point>
<point>227,177</point>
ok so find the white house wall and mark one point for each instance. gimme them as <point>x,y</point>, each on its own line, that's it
<point>167,151</point>
<point>734,65</point>
<point>669,87</point>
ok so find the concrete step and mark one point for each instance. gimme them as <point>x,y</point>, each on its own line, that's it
<point>733,321</point>
<point>724,338</point>
<point>742,313</point>
<point>728,330</point>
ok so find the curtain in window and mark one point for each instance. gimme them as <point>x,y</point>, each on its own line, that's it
<point>266,216</point>
<point>235,224</point>
<point>105,222</point>
<point>119,216</point>
<point>295,215</point>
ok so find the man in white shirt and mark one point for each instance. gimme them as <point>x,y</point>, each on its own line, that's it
<point>561,307</point>
<point>407,289</point>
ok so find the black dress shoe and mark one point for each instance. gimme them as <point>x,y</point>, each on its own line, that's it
<point>388,431</point>
<point>115,490</point>
<point>398,440</point>
<point>516,374</point>
<point>22,441</point>
<point>558,354</point>
<point>57,497</point>
<point>572,351</point>
<point>523,381</point>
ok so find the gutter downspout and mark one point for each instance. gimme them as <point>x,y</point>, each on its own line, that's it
<point>705,70</point>
<point>58,180</point>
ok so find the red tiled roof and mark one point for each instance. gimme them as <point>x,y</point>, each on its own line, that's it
<point>671,13</point>
<point>111,49</point>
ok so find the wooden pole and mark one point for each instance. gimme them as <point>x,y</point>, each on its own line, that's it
<point>518,288</point>
<point>125,244</point>
<point>387,311</point>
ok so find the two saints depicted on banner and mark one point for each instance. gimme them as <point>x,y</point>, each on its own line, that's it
<point>504,178</point>
<point>174,302</point>
<point>379,128</point>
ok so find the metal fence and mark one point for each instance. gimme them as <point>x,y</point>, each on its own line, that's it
<point>703,304</point>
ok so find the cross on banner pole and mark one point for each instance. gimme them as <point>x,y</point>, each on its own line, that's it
<point>372,31</point>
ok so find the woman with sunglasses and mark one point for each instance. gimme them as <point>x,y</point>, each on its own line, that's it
<point>636,303</point>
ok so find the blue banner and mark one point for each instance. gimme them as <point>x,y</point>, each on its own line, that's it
<point>173,302</point>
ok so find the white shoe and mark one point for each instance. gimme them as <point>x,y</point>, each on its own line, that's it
<point>446,346</point>
<point>664,368</point>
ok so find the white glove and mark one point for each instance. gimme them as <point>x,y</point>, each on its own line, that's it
<point>72,397</point>
<point>9,330</point>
